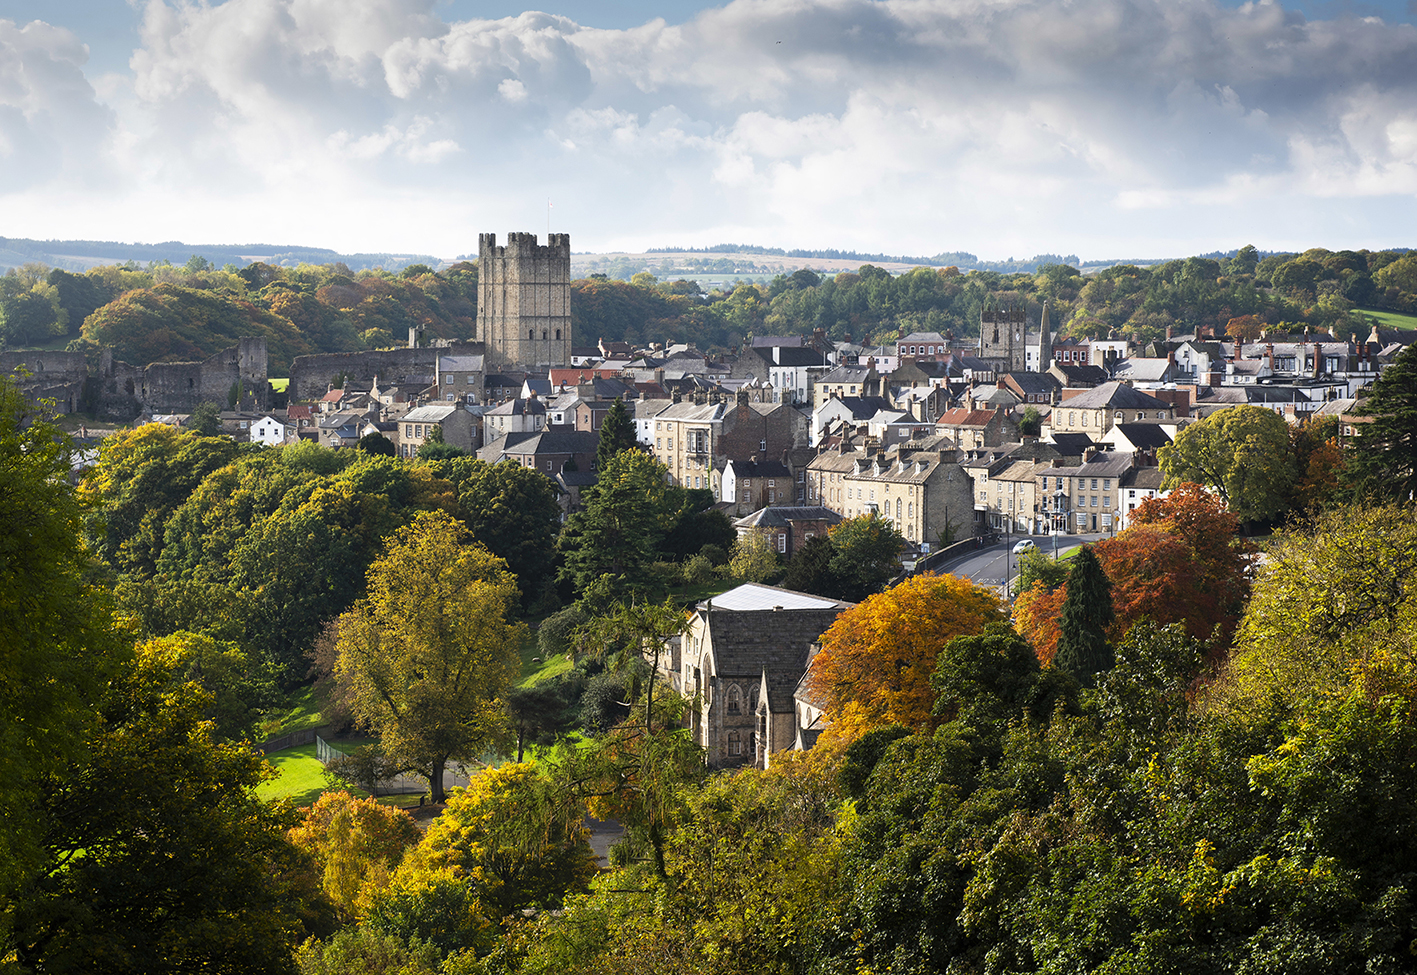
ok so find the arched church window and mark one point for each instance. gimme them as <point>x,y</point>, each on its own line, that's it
<point>735,699</point>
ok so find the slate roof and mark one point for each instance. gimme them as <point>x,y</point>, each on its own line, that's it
<point>780,516</point>
<point>1143,436</point>
<point>1113,396</point>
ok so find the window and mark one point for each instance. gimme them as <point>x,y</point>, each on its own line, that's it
<point>543,335</point>
<point>1106,484</point>
<point>548,465</point>
<point>558,335</point>
<point>735,700</point>
<point>1094,484</point>
<point>531,335</point>
<point>735,743</point>
<point>782,544</point>
<point>1106,501</point>
<point>772,482</point>
<point>1072,418</point>
<point>1094,501</point>
<point>763,445</point>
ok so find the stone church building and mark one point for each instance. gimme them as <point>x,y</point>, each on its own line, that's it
<point>741,659</point>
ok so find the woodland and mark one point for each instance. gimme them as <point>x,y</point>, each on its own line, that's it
<point>181,313</point>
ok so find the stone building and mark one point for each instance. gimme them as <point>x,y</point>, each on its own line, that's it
<point>741,659</point>
<point>524,300</point>
<point>1002,338</point>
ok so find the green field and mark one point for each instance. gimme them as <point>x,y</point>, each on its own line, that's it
<point>302,709</point>
<point>300,778</point>
<point>280,385</point>
<point>1391,319</point>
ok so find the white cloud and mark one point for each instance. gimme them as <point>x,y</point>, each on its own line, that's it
<point>904,125</point>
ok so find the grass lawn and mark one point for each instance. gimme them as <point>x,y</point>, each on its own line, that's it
<point>279,385</point>
<point>301,778</point>
<point>534,668</point>
<point>1391,319</point>
<point>302,709</point>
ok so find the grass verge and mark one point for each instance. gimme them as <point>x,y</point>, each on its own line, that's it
<point>302,708</point>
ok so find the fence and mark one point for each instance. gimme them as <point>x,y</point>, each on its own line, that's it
<point>398,785</point>
<point>288,741</point>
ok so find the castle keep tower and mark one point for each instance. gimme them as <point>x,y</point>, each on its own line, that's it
<point>524,300</point>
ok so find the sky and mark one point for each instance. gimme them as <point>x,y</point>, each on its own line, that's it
<point>1007,128</point>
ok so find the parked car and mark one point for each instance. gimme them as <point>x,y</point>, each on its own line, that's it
<point>1023,546</point>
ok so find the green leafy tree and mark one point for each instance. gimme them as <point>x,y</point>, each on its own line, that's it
<point>1243,454</point>
<point>428,653</point>
<point>159,855</point>
<point>205,420</point>
<point>866,555</point>
<point>512,510</point>
<point>1382,459</point>
<point>56,652</point>
<point>617,433</point>
<point>1083,650</point>
<point>1031,423</point>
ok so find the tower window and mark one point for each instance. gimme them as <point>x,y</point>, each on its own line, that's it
<point>531,335</point>
<point>558,335</point>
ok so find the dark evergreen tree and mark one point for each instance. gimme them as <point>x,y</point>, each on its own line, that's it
<point>617,433</point>
<point>1083,650</point>
<point>1382,464</point>
<point>378,444</point>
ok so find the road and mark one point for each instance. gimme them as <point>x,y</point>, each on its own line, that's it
<point>986,566</point>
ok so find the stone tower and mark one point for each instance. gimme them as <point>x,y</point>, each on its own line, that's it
<point>524,300</point>
<point>1001,338</point>
<point>1045,342</point>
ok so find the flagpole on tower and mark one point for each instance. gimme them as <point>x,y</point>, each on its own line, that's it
<point>548,220</point>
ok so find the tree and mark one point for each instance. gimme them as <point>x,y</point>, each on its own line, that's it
<point>378,444</point>
<point>876,660</point>
<point>1031,423</point>
<point>1083,650</point>
<point>159,855</point>
<point>618,530</point>
<point>429,651</point>
<point>1382,461</point>
<point>1334,604</point>
<point>753,558</point>
<point>867,555</point>
<point>56,650</point>
<point>355,845</point>
<point>1245,327</point>
<point>512,510</point>
<point>512,837</point>
<point>542,712</point>
<point>205,420</point>
<point>635,631</point>
<point>617,433</point>
<point>1242,453</point>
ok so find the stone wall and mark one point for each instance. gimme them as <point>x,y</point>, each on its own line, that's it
<point>312,375</point>
<point>57,376</point>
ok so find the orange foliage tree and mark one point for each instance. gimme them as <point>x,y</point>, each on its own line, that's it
<point>1036,615</point>
<point>876,660</point>
<point>1182,561</point>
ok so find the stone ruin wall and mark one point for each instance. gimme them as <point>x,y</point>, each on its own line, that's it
<point>312,375</point>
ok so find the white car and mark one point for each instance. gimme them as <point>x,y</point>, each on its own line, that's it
<point>1023,546</point>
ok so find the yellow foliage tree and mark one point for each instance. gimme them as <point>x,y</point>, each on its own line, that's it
<point>507,836</point>
<point>1332,605</point>
<point>427,655</point>
<point>356,843</point>
<point>876,660</point>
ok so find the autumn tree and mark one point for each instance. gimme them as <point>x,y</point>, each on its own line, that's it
<point>876,659</point>
<point>1083,647</point>
<point>1334,602</point>
<point>429,651</point>
<point>1245,327</point>
<point>355,844</point>
<point>1242,453</point>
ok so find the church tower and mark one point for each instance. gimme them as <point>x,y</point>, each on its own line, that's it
<point>1001,338</point>
<point>524,300</point>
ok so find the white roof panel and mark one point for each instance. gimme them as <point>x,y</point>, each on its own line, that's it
<point>751,597</point>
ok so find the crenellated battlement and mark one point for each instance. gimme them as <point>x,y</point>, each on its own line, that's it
<point>524,246</point>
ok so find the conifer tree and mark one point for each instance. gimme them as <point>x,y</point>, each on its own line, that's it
<point>1383,463</point>
<point>617,433</point>
<point>1083,650</point>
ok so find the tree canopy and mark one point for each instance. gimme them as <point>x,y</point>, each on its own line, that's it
<point>429,652</point>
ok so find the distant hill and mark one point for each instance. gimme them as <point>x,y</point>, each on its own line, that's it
<point>80,255</point>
